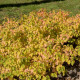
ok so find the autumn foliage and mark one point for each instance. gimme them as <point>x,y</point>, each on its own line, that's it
<point>36,46</point>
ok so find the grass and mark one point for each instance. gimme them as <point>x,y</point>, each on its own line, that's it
<point>14,8</point>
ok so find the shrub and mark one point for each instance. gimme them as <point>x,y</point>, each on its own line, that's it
<point>37,45</point>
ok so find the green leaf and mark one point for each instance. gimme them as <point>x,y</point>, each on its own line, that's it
<point>39,77</point>
<point>58,68</point>
<point>22,67</point>
<point>79,53</point>
<point>39,70</point>
<point>63,58</point>
<point>53,75</point>
<point>44,78</point>
<point>68,61</point>
<point>63,70</point>
<point>48,77</point>
<point>72,62</point>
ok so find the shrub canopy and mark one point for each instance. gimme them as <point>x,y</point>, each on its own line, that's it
<point>37,45</point>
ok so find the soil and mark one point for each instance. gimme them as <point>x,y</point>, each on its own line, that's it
<point>73,72</point>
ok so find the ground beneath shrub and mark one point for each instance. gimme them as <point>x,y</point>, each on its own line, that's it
<point>73,72</point>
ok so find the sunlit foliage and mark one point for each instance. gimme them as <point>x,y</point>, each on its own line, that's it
<point>36,46</point>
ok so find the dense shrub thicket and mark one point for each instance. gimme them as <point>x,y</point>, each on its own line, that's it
<point>36,46</point>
